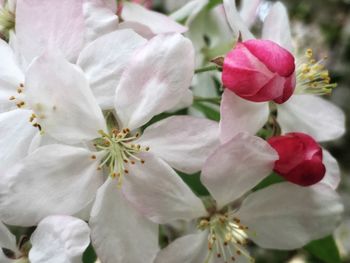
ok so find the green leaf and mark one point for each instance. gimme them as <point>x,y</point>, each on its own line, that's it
<point>89,255</point>
<point>324,249</point>
<point>270,180</point>
<point>213,3</point>
<point>163,116</point>
<point>209,112</point>
<point>194,182</point>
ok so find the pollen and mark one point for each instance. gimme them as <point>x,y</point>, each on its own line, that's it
<point>312,76</point>
<point>120,152</point>
<point>227,237</point>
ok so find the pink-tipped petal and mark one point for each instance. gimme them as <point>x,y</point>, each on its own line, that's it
<point>55,24</point>
<point>276,58</point>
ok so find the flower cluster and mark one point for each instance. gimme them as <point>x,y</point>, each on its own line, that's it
<point>103,125</point>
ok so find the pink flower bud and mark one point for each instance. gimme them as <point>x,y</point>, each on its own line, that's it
<point>300,158</point>
<point>260,70</point>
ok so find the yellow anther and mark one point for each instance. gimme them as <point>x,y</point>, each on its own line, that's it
<point>309,53</point>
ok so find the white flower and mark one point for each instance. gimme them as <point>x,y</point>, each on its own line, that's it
<point>61,178</point>
<point>102,62</point>
<point>282,216</point>
<point>302,112</point>
<point>35,21</point>
<point>56,239</point>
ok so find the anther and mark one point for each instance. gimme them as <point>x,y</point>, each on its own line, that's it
<point>93,157</point>
<point>12,98</point>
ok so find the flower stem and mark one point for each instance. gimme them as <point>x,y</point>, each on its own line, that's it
<point>205,69</point>
<point>214,100</point>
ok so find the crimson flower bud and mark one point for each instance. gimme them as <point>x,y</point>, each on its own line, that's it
<point>260,70</point>
<point>300,158</point>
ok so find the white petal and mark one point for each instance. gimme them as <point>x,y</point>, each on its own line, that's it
<point>10,76</point>
<point>185,102</point>
<point>313,115</point>
<point>159,193</point>
<point>99,19</point>
<point>59,239</point>
<point>55,24</point>
<point>140,29</point>
<point>239,115</point>
<point>112,4</point>
<point>237,166</point>
<point>332,177</point>
<point>249,11</point>
<point>276,26</point>
<point>16,135</point>
<point>145,91</point>
<point>186,249</point>
<point>7,240</point>
<point>184,142</point>
<point>54,179</point>
<point>287,216</point>
<point>235,21</point>
<point>19,58</point>
<point>5,259</point>
<point>59,94</point>
<point>40,140</point>
<point>104,61</point>
<point>157,22</point>
<point>119,233</point>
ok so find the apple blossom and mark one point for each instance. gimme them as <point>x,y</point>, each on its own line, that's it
<point>304,111</point>
<point>236,216</point>
<point>259,70</point>
<point>56,239</point>
<point>300,158</point>
<point>64,177</point>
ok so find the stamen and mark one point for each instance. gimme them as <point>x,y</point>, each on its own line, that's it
<point>227,237</point>
<point>7,21</point>
<point>312,77</point>
<point>120,152</point>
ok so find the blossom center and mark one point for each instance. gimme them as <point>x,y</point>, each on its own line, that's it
<point>120,151</point>
<point>7,21</point>
<point>227,237</point>
<point>312,76</point>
